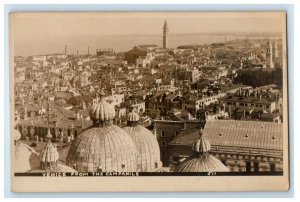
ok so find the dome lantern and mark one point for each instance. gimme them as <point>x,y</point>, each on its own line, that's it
<point>201,160</point>
<point>201,146</point>
<point>49,155</point>
<point>132,118</point>
<point>102,113</point>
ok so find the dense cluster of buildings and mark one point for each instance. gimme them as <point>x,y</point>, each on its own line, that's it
<point>143,110</point>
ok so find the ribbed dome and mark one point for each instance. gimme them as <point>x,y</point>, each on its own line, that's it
<point>26,158</point>
<point>49,154</point>
<point>102,111</point>
<point>201,145</point>
<point>132,116</point>
<point>201,160</point>
<point>147,148</point>
<point>202,164</point>
<point>108,148</point>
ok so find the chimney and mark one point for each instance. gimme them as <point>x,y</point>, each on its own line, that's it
<point>82,121</point>
<point>77,115</point>
<point>83,105</point>
<point>25,113</point>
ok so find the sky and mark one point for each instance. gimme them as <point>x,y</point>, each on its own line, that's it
<point>40,32</point>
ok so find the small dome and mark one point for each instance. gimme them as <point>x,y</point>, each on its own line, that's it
<point>147,148</point>
<point>133,116</point>
<point>17,135</point>
<point>201,160</point>
<point>202,164</point>
<point>108,148</point>
<point>26,158</point>
<point>49,154</point>
<point>102,112</point>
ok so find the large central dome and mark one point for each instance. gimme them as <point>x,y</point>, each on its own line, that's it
<point>103,147</point>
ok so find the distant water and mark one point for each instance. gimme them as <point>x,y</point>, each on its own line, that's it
<point>118,43</point>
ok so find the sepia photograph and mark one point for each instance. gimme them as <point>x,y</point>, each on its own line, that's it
<point>148,101</point>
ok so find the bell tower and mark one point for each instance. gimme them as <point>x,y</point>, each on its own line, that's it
<point>269,56</point>
<point>165,35</point>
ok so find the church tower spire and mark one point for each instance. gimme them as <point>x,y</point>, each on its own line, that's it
<point>165,35</point>
<point>269,56</point>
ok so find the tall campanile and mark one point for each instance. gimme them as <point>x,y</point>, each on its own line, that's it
<point>165,35</point>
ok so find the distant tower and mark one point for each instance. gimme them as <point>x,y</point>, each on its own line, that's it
<point>269,56</point>
<point>275,51</point>
<point>165,35</point>
<point>65,49</point>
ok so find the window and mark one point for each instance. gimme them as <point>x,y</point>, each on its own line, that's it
<point>256,167</point>
<point>176,133</point>
<point>163,143</point>
<point>272,167</point>
<point>248,166</point>
<point>163,154</point>
<point>162,133</point>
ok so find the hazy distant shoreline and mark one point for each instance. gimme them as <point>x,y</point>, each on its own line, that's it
<point>121,43</point>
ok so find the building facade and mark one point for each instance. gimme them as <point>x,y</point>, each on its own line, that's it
<point>166,131</point>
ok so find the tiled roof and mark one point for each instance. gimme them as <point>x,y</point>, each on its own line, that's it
<point>59,123</point>
<point>248,99</point>
<point>231,133</point>
<point>171,97</point>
